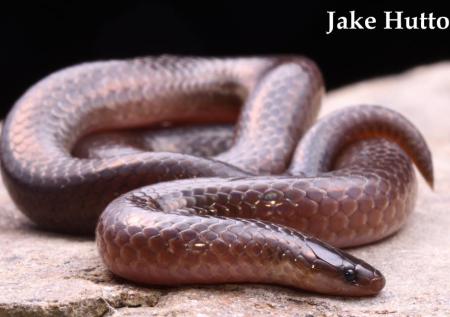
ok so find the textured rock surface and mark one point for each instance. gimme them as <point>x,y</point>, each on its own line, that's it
<point>47,274</point>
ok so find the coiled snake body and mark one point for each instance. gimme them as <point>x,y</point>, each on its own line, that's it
<point>256,209</point>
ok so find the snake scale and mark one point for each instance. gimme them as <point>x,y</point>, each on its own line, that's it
<point>143,152</point>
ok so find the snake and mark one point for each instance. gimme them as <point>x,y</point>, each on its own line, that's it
<point>202,170</point>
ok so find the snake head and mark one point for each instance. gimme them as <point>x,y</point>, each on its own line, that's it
<point>334,271</point>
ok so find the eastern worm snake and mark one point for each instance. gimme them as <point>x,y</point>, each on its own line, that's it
<point>269,203</point>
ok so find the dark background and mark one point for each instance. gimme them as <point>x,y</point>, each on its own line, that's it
<point>37,39</point>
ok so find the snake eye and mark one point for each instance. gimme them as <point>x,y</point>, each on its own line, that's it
<point>350,275</point>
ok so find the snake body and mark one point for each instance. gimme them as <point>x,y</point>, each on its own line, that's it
<point>269,205</point>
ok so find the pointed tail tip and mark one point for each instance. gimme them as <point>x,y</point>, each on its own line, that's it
<point>428,173</point>
<point>430,181</point>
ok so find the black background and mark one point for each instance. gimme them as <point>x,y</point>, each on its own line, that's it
<point>37,39</point>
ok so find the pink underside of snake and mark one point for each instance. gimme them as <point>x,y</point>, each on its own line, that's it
<point>267,203</point>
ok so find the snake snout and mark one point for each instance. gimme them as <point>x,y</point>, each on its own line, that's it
<point>377,282</point>
<point>369,280</point>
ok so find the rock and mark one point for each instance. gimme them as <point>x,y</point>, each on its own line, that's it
<point>48,274</point>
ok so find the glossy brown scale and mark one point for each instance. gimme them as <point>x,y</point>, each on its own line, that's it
<point>267,203</point>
